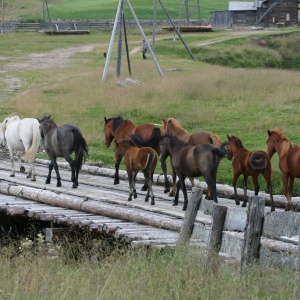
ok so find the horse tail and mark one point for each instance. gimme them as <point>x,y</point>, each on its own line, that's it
<point>31,152</point>
<point>222,151</point>
<point>258,160</point>
<point>81,148</point>
<point>152,142</point>
<point>150,161</point>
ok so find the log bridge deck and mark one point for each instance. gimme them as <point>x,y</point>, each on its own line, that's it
<point>102,207</point>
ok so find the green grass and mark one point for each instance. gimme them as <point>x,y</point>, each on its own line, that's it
<point>106,9</point>
<point>46,273</point>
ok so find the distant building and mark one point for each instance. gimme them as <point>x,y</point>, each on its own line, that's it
<point>257,13</point>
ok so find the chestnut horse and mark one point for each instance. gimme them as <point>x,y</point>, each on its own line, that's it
<point>137,159</point>
<point>172,126</point>
<point>201,160</point>
<point>289,161</point>
<point>249,163</point>
<point>117,129</point>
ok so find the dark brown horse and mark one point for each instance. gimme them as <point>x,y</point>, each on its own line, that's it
<point>118,129</point>
<point>137,159</point>
<point>289,161</point>
<point>172,126</point>
<point>249,163</point>
<point>192,161</point>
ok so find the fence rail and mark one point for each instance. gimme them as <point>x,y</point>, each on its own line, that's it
<point>80,25</point>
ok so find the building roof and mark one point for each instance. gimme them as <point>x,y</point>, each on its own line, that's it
<point>240,5</point>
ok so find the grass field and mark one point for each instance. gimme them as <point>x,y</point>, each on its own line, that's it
<point>106,9</point>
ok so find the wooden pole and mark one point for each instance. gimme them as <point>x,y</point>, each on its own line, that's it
<point>297,278</point>
<point>126,45</point>
<point>218,219</point>
<point>111,42</point>
<point>190,216</point>
<point>154,26</point>
<point>145,38</point>
<point>178,33</point>
<point>119,57</point>
<point>255,216</point>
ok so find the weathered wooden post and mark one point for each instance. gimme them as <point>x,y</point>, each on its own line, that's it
<point>297,276</point>
<point>218,219</point>
<point>255,216</point>
<point>190,216</point>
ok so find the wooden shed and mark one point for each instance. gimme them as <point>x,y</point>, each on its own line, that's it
<point>261,13</point>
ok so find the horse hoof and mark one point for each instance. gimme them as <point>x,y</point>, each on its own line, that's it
<point>116,182</point>
<point>12,175</point>
<point>22,169</point>
<point>244,204</point>
<point>288,208</point>
<point>237,202</point>
<point>146,199</point>
<point>184,209</point>
<point>74,186</point>
<point>58,184</point>
<point>129,199</point>
<point>144,188</point>
<point>175,204</point>
<point>32,179</point>
<point>167,190</point>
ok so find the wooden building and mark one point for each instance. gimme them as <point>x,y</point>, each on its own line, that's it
<point>268,13</point>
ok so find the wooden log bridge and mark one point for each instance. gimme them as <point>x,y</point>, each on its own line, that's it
<point>102,207</point>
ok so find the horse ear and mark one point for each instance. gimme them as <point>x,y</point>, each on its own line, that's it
<point>105,120</point>
<point>164,120</point>
<point>269,133</point>
<point>228,137</point>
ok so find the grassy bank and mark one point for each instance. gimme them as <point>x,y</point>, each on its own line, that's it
<point>184,274</point>
<point>31,10</point>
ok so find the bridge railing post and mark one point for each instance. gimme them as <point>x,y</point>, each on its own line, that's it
<point>252,235</point>
<point>190,216</point>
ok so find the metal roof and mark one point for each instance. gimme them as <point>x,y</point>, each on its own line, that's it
<point>240,5</point>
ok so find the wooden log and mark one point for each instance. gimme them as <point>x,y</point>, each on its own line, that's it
<point>15,211</point>
<point>90,206</point>
<point>252,234</point>
<point>218,219</point>
<point>190,216</point>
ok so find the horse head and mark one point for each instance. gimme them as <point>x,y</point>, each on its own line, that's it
<point>234,144</point>
<point>46,124</point>
<point>275,141</point>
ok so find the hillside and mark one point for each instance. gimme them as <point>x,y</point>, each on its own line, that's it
<point>94,10</point>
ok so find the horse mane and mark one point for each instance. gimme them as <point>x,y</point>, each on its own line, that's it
<point>176,125</point>
<point>117,122</point>
<point>48,120</point>
<point>286,144</point>
<point>236,140</point>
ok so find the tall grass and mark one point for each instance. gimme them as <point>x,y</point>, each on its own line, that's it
<point>140,274</point>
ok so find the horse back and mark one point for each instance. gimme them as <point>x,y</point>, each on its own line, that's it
<point>146,131</point>
<point>204,137</point>
<point>136,158</point>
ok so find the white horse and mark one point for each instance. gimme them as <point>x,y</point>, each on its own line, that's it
<point>21,136</point>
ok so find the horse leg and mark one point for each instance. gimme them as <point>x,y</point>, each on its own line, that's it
<point>183,188</point>
<point>267,176</point>
<point>31,173</point>
<point>212,187</point>
<point>174,177</point>
<point>133,185</point>
<point>164,169</point>
<point>289,205</point>
<point>245,191</point>
<point>235,178</point>
<point>12,160</point>
<point>58,184</point>
<point>151,188</point>
<point>72,163</point>
<point>130,180</point>
<point>48,179</point>
<point>175,202</point>
<point>117,165</point>
<point>147,178</point>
